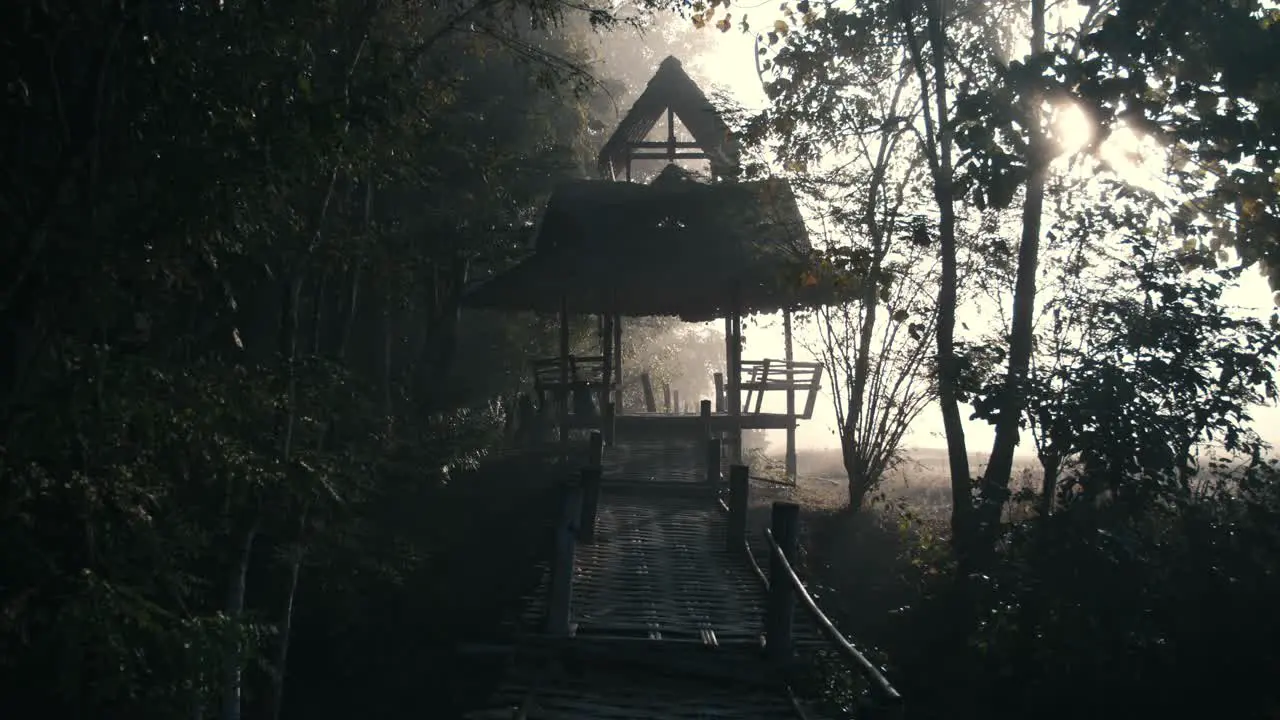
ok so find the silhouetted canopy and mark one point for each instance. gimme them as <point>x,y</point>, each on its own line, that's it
<point>675,247</point>
<point>672,88</point>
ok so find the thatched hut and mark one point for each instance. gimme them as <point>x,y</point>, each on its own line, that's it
<point>676,246</point>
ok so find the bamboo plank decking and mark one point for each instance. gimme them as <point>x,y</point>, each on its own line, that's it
<point>665,621</point>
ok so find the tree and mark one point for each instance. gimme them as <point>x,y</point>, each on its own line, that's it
<point>987,134</point>
<point>881,372</point>
<point>238,233</point>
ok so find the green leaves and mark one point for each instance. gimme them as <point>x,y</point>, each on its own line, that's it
<point>230,295</point>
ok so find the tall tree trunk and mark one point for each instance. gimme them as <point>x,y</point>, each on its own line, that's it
<point>353,304</point>
<point>296,554</point>
<point>317,314</point>
<point>232,666</point>
<point>288,344</point>
<point>855,460</point>
<point>298,549</point>
<point>995,481</point>
<point>938,147</point>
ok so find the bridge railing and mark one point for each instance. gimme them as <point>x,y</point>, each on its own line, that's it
<point>784,589</point>
<point>576,524</point>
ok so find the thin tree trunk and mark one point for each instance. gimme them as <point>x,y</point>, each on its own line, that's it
<point>232,668</point>
<point>857,459</point>
<point>995,481</point>
<point>289,350</point>
<point>855,462</point>
<point>938,145</point>
<point>353,298</point>
<point>298,552</point>
<point>317,313</point>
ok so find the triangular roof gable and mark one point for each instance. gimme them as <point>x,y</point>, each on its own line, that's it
<point>672,88</point>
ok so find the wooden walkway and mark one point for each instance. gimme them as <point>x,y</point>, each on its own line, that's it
<point>665,616</point>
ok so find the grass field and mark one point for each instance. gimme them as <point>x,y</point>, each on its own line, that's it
<point>921,478</point>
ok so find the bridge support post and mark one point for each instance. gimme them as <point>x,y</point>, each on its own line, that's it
<point>718,378</point>
<point>591,477</point>
<point>560,589</point>
<point>782,597</point>
<point>739,490</point>
<point>713,462</point>
<point>704,432</point>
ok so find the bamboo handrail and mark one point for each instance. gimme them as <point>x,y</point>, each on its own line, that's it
<point>879,683</point>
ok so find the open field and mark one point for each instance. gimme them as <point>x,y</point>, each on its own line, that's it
<point>921,478</point>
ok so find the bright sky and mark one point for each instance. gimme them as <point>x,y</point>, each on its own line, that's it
<point>731,66</point>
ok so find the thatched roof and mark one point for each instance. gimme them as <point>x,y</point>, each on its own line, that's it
<point>672,88</point>
<point>672,248</point>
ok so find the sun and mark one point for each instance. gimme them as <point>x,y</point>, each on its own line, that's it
<point>1071,128</point>
<point>1134,157</point>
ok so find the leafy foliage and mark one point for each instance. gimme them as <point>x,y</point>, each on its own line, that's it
<point>1135,377</point>
<point>229,337</point>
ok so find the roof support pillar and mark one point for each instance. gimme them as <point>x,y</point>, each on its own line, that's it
<point>791,395</point>
<point>606,392</point>
<point>735,370</point>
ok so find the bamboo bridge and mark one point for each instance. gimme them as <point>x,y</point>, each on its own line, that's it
<point>658,604</point>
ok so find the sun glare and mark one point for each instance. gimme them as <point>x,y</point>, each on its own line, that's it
<point>1071,128</point>
<point>1137,159</point>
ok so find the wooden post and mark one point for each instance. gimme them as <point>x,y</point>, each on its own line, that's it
<point>764,383</point>
<point>713,461</point>
<point>591,477</point>
<point>739,496</point>
<point>595,449</point>
<point>560,589</point>
<point>735,374</point>
<point>704,428</point>
<point>675,400</point>
<point>666,398</point>
<point>606,392</point>
<point>647,386</point>
<point>719,381</point>
<point>782,597</point>
<point>728,347</point>
<point>791,396</point>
